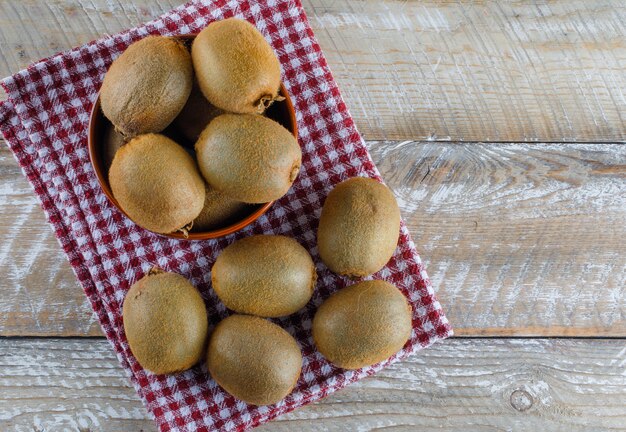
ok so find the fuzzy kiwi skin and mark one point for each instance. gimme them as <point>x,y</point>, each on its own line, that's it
<point>359,227</point>
<point>165,322</point>
<point>253,359</point>
<point>236,68</point>
<point>195,115</point>
<point>157,183</point>
<point>147,85</point>
<point>264,275</point>
<point>112,142</point>
<point>362,324</point>
<point>249,157</point>
<point>218,210</point>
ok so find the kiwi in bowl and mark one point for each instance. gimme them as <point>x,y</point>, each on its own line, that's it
<point>102,129</point>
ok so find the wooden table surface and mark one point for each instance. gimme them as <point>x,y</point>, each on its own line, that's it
<point>500,126</point>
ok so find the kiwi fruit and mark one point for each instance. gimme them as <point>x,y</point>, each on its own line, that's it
<point>264,275</point>
<point>248,157</point>
<point>147,85</point>
<point>359,227</point>
<point>362,324</point>
<point>112,141</point>
<point>236,68</point>
<point>218,210</point>
<point>156,183</point>
<point>165,322</point>
<point>195,115</point>
<point>253,359</point>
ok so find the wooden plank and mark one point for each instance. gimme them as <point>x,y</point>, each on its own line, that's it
<point>481,71</point>
<point>41,293</point>
<point>478,71</point>
<point>483,384</point>
<point>519,239</point>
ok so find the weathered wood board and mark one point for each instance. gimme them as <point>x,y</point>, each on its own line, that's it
<point>40,293</point>
<point>481,71</point>
<point>475,384</point>
<point>519,239</point>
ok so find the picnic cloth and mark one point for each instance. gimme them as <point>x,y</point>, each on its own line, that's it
<point>45,123</point>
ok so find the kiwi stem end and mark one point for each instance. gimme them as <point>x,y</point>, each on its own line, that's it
<point>294,173</point>
<point>266,101</point>
<point>155,270</point>
<point>185,230</point>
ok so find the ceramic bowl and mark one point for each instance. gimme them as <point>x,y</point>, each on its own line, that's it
<point>282,112</point>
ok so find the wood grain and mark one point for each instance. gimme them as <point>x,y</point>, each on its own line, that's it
<point>523,240</point>
<point>478,71</point>
<point>40,292</point>
<point>479,384</point>
<point>519,239</point>
<point>439,70</point>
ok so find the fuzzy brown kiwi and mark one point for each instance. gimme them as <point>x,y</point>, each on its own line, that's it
<point>359,227</point>
<point>157,183</point>
<point>362,324</point>
<point>236,68</point>
<point>112,141</point>
<point>253,359</point>
<point>165,322</point>
<point>249,157</point>
<point>147,85</point>
<point>195,115</point>
<point>218,210</point>
<point>264,275</point>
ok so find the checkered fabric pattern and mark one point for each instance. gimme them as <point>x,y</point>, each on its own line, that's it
<point>45,123</point>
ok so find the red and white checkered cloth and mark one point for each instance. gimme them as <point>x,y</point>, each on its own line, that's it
<point>45,124</point>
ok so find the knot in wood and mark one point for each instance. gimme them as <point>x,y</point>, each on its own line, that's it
<point>521,400</point>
